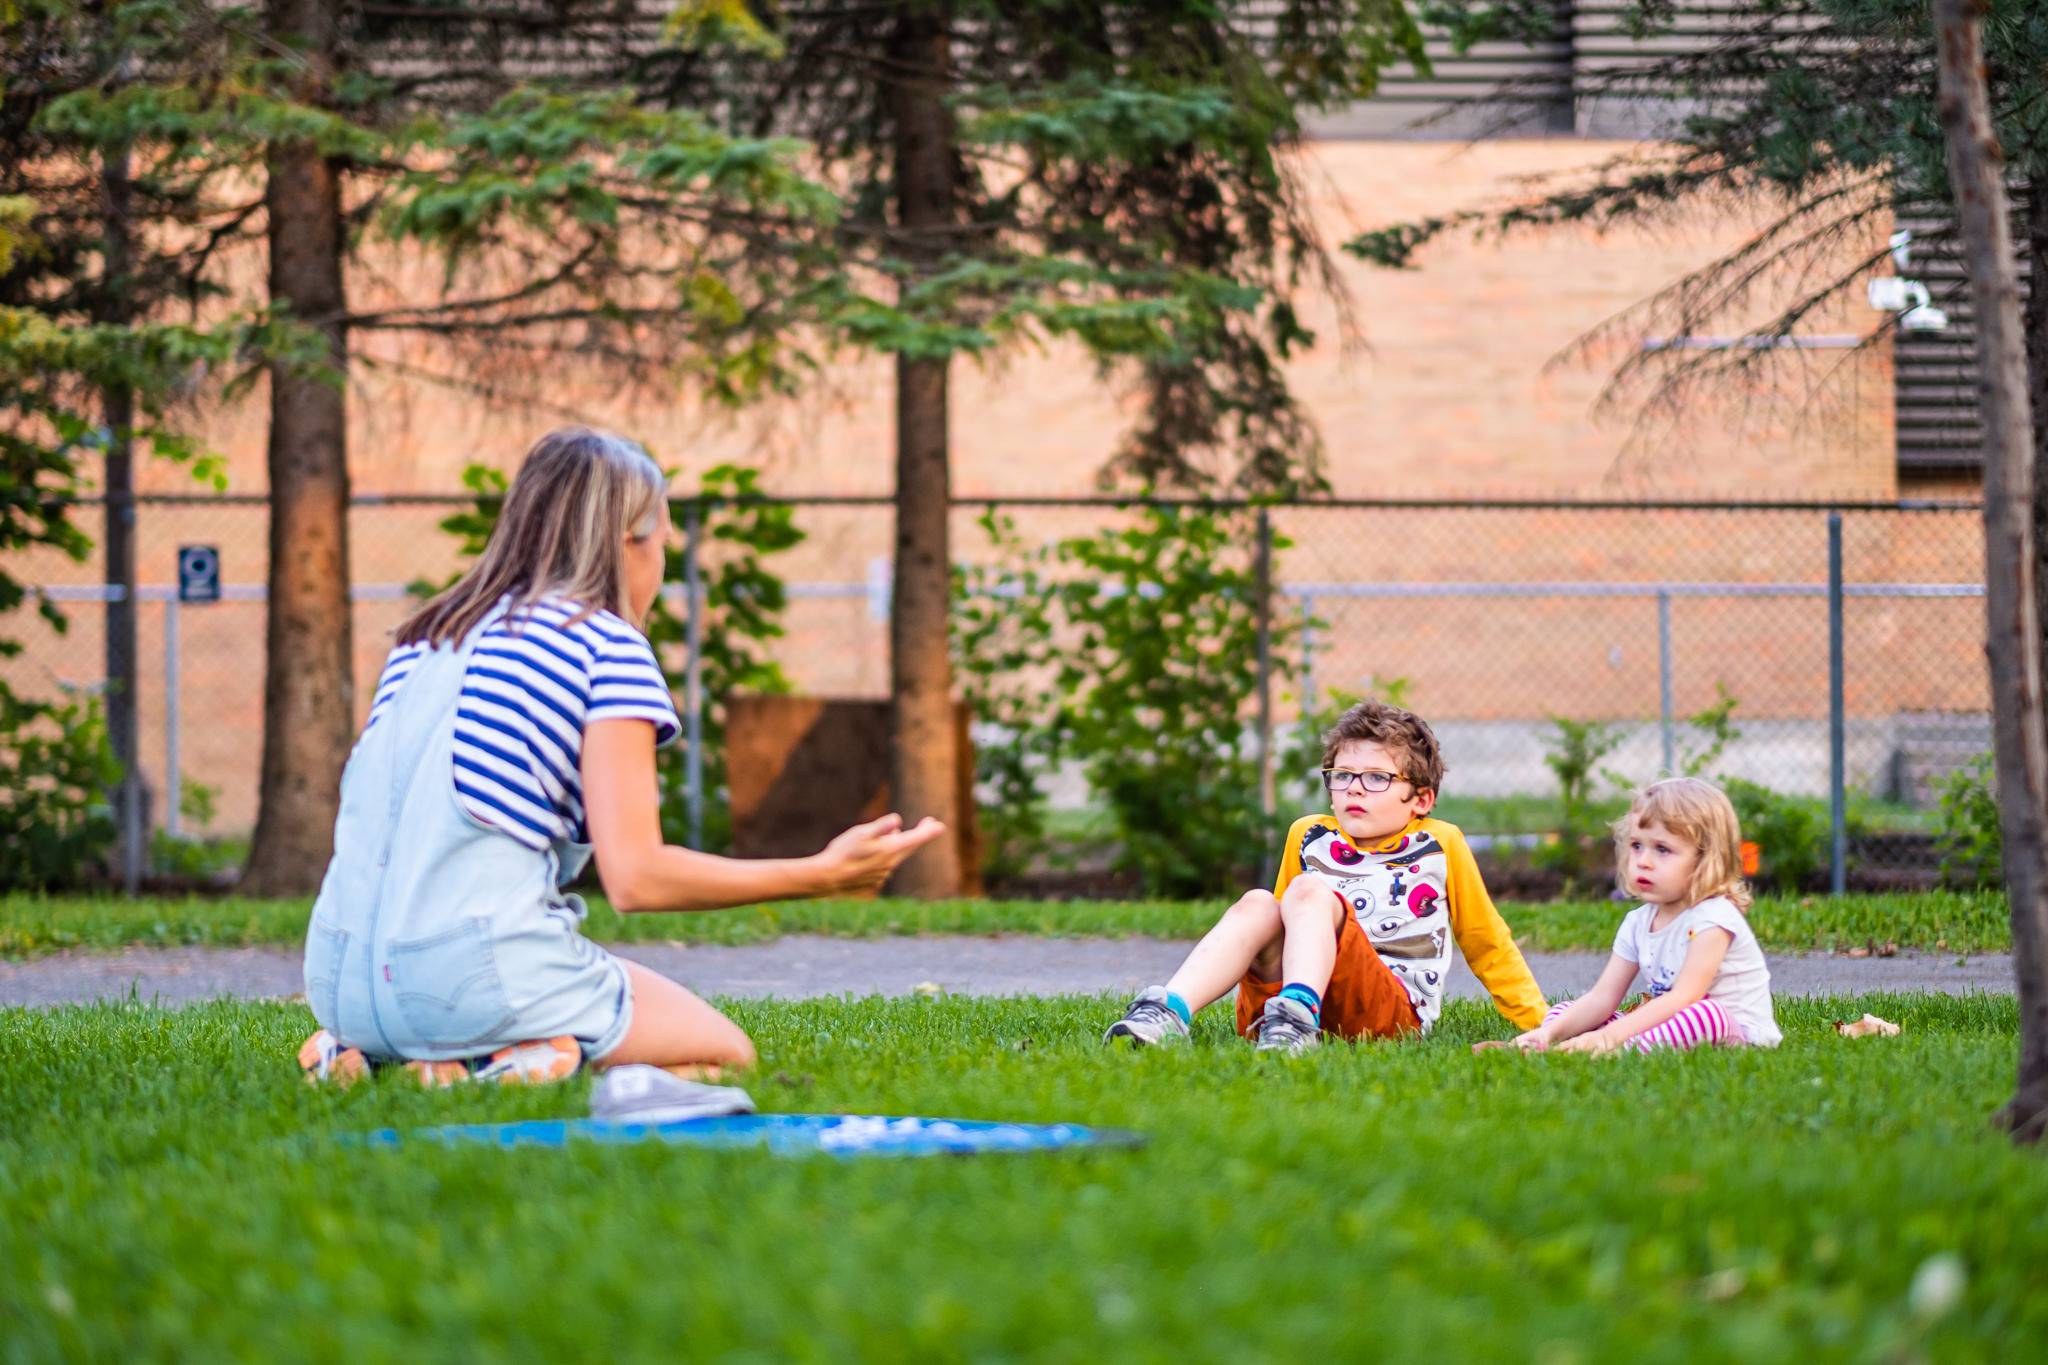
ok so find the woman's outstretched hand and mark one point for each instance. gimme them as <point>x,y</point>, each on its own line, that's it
<point>862,858</point>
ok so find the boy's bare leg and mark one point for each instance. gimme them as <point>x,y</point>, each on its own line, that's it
<point>1247,930</point>
<point>1311,917</point>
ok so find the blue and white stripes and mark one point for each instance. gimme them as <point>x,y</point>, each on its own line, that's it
<point>534,683</point>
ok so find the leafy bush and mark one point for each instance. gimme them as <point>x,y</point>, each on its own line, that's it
<point>1792,833</point>
<point>197,854</point>
<point>56,767</point>
<point>743,606</point>
<point>1576,748</point>
<point>1134,651</point>
<point>1966,827</point>
<point>1002,655</point>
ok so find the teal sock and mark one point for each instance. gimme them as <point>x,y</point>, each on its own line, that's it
<point>1294,990</point>
<point>1180,1007</point>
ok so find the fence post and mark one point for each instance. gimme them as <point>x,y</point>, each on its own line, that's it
<point>693,680</point>
<point>1308,657</point>
<point>171,755</point>
<point>1664,679</point>
<point>1262,589</point>
<point>1838,811</point>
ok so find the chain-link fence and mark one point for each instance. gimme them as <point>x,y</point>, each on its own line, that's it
<point>1493,620</point>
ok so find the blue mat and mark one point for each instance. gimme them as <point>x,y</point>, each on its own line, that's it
<point>838,1134</point>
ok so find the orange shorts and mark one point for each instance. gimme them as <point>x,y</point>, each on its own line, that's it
<point>1364,1000</point>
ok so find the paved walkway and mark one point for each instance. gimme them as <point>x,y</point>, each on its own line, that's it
<point>799,967</point>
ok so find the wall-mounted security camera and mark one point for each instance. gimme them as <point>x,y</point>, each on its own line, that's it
<point>1902,248</point>
<point>1910,300</point>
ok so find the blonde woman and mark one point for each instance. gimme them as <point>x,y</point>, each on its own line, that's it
<point>513,736</point>
<point>1679,852</point>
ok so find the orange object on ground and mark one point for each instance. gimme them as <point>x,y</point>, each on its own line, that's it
<point>1752,858</point>
<point>1364,1000</point>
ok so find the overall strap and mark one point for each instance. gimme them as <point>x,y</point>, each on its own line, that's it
<point>435,690</point>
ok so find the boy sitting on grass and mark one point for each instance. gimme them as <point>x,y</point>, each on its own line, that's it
<point>1355,940</point>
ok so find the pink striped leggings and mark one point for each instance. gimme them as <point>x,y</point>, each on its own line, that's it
<point>1698,1023</point>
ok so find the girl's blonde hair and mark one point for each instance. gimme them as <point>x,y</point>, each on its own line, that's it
<point>1700,813</point>
<point>578,497</point>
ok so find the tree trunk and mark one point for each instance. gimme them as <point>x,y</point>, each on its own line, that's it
<point>922,773</point>
<point>2013,644</point>
<point>308,684</point>
<point>118,549</point>
<point>2034,318</point>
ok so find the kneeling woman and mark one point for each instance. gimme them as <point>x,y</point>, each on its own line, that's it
<point>511,737</point>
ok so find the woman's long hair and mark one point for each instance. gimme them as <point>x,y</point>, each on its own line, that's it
<point>562,533</point>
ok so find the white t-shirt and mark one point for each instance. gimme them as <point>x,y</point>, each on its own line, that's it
<point>1743,985</point>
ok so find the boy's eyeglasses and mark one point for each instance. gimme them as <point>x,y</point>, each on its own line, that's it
<point>1340,779</point>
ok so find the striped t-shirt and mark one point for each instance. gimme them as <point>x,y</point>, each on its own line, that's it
<point>533,683</point>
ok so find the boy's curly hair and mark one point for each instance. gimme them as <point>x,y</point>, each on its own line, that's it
<point>1405,736</point>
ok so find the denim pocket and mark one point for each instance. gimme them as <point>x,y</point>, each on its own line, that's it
<point>447,987</point>
<point>326,951</point>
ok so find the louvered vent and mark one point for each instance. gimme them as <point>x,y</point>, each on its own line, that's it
<point>1940,429</point>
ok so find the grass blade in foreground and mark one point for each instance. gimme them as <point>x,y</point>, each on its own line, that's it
<point>173,1192</point>
<point>1945,921</point>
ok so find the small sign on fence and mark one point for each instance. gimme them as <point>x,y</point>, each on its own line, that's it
<point>198,573</point>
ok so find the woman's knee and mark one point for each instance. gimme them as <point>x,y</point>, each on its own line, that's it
<point>673,1027</point>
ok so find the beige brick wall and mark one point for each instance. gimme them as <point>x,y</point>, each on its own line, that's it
<point>1445,390</point>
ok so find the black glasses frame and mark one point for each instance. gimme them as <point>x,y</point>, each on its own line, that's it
<point>1372,779</point>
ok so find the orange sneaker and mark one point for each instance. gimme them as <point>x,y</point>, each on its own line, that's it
<point>323,1058</point>
<point>435,1075</point>
<point>533,1063</point>
<point>536,1063</point>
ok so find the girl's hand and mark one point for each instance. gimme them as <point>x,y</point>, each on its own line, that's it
<point>1535,1040</point>
<point>1592,1044</point>
<point>862,858</point>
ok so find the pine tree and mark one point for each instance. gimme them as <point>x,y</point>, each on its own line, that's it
<point>645,230</point>
<point>1111,170</point>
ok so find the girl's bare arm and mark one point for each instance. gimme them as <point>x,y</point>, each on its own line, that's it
<point>1590,1010</point>
<point>1695,979</point>
<point>621,805</point>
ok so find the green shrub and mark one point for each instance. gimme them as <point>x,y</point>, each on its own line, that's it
<point>1791,833</point>
<point>1003,656</point>
<point>1966,827</point>
<point>1576,748</point>
<point>1134,651</point>
<point>56,768</point>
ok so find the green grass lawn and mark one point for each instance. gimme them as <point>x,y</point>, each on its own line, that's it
<point>172,1191</point>
<point>1951,921</point>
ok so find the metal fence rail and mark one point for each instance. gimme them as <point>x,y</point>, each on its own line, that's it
<point>1851,634</point>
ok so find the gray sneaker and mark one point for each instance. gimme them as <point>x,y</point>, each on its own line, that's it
<point>1287,1026</point>
<point>648,1094</point>
<point>1148,1022</point>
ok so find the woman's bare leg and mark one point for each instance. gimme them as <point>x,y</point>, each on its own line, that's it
<point>672,1028</point>
<point>1247,931</point>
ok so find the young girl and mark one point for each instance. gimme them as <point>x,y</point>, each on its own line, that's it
<point>1679,850</point>
<point>511,737</point>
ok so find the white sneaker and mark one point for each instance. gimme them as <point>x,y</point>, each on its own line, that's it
<point>1148,1022</point>
<point>637,1093</point>
<point>1287,1026</point>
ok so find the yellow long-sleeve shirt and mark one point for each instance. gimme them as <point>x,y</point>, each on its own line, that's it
<point>1415,894</point>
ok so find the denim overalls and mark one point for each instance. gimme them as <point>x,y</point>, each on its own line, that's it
<point>436,936</point>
